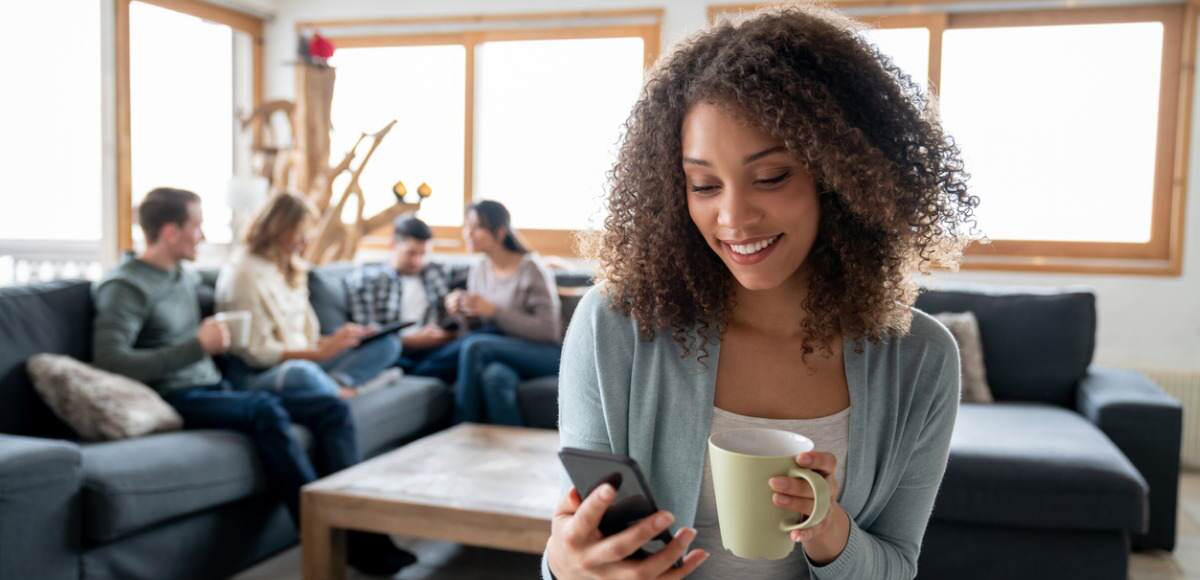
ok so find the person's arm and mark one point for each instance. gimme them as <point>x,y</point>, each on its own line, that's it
<point>889,548</point>
<point>581,421</point>
<point>242,291</point>
<point>121,310</point>
<point>538,317</point>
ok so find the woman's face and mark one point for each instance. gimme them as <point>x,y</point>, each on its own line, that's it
<point>754,203</point>
<point>296,241</point>
<point>477,237</point>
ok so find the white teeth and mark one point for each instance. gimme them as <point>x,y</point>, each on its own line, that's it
<point>756,247</point>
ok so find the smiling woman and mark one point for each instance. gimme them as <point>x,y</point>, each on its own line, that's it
<point>777,184</point>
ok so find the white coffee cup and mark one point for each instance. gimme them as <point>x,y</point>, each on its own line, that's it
<point>238,323</point>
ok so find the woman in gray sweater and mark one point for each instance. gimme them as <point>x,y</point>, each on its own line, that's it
<point>777,184</point>
<point>517,298</point>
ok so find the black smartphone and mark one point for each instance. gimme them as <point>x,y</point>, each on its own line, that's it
<point>589,470</point>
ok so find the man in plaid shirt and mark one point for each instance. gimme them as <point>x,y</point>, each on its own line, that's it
<point>407,289</point>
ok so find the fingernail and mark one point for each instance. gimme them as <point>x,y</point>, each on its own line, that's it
<point>687,534</point>
<point>778,483</point>
<point>607,491</point>
<point>703,556</point>
<point>783,499</point>
<point>803,459</point>
<point>664,519</point>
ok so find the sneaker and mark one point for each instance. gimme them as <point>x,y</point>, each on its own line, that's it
<point>376,555</point>
<point>383,379</point>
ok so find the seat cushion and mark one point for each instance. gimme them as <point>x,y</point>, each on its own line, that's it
<point>398,412</point>
<point>1038,466</point>
<point>538,399</point>
<point>133,483</point>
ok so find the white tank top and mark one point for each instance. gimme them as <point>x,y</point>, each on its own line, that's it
<point>830,434</point>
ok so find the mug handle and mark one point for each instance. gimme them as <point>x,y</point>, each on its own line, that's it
<point>820,499</point>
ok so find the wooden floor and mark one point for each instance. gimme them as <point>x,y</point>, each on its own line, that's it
<point>446,561</point>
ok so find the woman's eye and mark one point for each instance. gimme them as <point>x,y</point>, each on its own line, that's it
<point>703,188</point>
<point>775,180</point>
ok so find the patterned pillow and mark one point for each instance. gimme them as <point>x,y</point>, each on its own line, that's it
<point>965,328</point>
<point>99,405</point>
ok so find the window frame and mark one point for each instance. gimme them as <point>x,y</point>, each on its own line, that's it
<point>479,29</point>
<point>238,21</point>
<point>1163,254</point>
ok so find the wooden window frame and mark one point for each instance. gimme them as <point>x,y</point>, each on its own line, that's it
<point>1163,254</point>
<point>489,28</point>
<point>238,21</point>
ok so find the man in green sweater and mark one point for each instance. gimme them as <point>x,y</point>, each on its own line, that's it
<point>148,327</point>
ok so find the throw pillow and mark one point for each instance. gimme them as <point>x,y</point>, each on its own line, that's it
<point>99,405</point>
<point>965,329</point>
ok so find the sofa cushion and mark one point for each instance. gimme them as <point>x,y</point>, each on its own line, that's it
<point>538,399</point>
<point>386,416</point>
<point>1037,345</point>
<point>133,483</point>
<point>55,317</point>
<point>99,405</point>
<point>1038,466</point>
<point>327,293</point>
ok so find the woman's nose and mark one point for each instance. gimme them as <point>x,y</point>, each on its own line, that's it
<point>737,209</point>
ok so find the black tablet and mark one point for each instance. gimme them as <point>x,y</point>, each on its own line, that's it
<point>384,331</point>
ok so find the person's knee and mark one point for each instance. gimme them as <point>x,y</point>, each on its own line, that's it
<point>499,376</point>
<point>477,346</point>
<point>268,414</point>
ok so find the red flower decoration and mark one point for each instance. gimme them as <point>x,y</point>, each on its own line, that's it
<point>320,47</point>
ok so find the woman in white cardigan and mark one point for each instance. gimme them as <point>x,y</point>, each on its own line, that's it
<point>268,278</point>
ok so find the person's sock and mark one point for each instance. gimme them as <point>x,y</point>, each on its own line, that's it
<point>375,554</point>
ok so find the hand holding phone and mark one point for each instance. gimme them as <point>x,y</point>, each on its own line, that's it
<point>605,535</point>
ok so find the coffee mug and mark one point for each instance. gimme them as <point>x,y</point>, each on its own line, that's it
<point>238,323</point>
<point>743,461</point>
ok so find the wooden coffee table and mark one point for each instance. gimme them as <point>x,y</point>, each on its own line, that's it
<point>480,485</point>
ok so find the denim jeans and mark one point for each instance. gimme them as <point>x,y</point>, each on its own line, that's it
<point>266,417</point>
<point>353,367</point>
<point>490,367</point>
<point>440,362</point>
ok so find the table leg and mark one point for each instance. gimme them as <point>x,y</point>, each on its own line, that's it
<point>323,546</point>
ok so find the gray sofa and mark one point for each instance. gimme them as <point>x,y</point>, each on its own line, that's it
<point>180,505</point>
<point>1072,467</point>
<point>1069,469</point>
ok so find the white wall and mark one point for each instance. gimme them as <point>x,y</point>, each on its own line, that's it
<point>1146,322</point>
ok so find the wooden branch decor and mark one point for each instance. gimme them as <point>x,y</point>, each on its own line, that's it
<point>304,166</point>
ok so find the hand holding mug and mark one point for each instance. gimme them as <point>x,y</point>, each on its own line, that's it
<point>213,336</point>
<point>798,495</point>
<point>476,305</point>
<point>454,302</point>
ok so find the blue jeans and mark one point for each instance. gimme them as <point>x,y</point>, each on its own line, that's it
<point>489,369</point>
<point>353,368</point>
<point>440,362</point>
<point>266,418</point>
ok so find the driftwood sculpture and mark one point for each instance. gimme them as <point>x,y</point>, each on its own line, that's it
<point>303,167</point>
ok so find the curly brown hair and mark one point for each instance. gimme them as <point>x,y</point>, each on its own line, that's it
<point>893,193</point>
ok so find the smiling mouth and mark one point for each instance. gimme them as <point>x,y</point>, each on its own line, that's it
<point>754,247</point>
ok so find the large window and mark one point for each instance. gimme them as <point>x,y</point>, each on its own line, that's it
<point>50,109</point>
<point>526,110</point>
<point>1070,123</point>
<point>187,72</point>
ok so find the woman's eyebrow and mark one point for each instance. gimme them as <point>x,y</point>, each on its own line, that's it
<point>749,158</point>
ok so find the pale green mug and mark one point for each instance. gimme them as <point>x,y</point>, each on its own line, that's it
<point>743,461</point>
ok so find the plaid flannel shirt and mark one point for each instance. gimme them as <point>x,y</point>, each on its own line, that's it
<point>374,292</point>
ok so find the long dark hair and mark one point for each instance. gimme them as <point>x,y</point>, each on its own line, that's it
<point>493,216</point>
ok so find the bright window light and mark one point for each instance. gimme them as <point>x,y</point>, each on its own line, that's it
<point>51,154</point>
<point>549,115</point>
<point>423,89</point>
<point>1057,126</point>
<point>182,109</point>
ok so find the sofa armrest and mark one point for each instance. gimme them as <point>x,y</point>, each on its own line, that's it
<point>40,512</point>
<point>1146,424</point>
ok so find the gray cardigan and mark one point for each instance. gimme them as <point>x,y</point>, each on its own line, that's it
<point>622,394</point>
